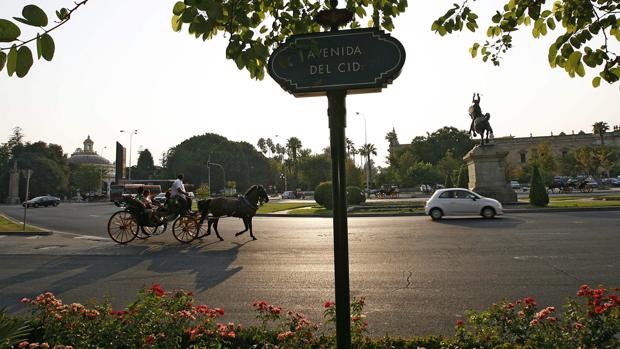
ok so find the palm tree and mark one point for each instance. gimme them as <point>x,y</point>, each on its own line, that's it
<point>351,151</point>
<point>392,138</point>
<point>262,145</point>
<point>599,128</point>
<point>293,145</point>
<point>368,150</point>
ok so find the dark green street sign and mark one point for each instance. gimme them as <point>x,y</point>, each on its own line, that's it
<point>357,61</point>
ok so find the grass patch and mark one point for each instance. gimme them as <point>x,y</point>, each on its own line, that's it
<point>279,206</point>
<point>9,226</point>
<point>313,211</point>
<point>607,197</point>
<point>597,203</point>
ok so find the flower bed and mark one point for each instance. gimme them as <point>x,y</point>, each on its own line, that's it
<point>160,319</point>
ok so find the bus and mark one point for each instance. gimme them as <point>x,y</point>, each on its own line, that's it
<point>118,190</point>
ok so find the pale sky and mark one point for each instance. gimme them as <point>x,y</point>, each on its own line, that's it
<point>118,65</point>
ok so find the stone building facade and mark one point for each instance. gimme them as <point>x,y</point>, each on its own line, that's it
<point>519,148</point>
<point>88,156</point>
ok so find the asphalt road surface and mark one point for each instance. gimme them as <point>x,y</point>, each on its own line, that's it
<point>418,276</point>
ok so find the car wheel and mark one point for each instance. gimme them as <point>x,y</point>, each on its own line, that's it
<point>435,214</point>
<point>55,204</point>
<point>35,205</point>
<point>488,212</point>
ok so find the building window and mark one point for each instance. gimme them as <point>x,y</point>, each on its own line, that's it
<point>523,160</point>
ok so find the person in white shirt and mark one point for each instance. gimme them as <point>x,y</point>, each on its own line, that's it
<point>178,190</point>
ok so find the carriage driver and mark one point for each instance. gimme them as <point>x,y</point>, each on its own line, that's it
<point>178,190</point>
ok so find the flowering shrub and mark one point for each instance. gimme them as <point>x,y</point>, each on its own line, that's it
<point>161,319</point>
<point>591,321</point>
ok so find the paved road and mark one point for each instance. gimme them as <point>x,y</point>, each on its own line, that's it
<point>418,276</point>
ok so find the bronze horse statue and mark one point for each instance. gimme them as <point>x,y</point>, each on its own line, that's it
<point>479,122</point>
<point>481,125</point>
<point>243,207</point>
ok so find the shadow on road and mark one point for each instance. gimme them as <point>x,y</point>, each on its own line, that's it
<point>478,222</point>
<point>71,272</point>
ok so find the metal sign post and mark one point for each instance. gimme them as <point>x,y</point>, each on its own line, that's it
<point>26,173</point>
<point>334,64</point>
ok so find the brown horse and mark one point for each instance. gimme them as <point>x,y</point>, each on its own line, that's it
<point>243,207</point>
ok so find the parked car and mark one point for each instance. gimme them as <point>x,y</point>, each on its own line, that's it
<point>46,200</point>
<point>161,198</point>
<point>515,185</point>
<point>460,202</point>
<point>293,194</point>
<point>614,182</point>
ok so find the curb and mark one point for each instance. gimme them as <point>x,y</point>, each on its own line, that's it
<point>43,232</point>
<point>510,210</point>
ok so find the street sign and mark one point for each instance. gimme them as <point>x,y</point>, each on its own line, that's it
<point>356,61</point>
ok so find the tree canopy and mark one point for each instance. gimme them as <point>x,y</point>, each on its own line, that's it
<point>589,30</point>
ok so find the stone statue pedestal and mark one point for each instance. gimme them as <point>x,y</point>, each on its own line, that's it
<point>13,197</point>
<point>487,173</point>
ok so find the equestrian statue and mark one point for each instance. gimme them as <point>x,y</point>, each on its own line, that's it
<point>479,122</point>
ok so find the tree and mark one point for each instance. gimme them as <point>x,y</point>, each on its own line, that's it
<point>293,145</point>
<point>600,128</point>
<point>392,139</point>
<point>538,191</point>
<point>586,159</point>
<point>448,167</point>
<point>145,169</point>
<point>435,145</point>
<point>262,145</point>
<point>351,151</point>
<point>422,173</point>
<point>241,161</point>
<point>51,172</point>
<point>582,22</point>
<point>368,150</point>
<point>314,170</point>
<point>543,158</point>
<point>87,178</point>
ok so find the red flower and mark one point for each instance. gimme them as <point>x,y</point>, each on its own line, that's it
<point>150,339</point>
<point>599,310</point>
<point>459,323</point>
<point>578,325</point>
<point>328,304</point>
<point>158,290</point>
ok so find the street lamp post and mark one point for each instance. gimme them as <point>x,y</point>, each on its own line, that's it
<point>367,162</point>
<point>209,163</point>
<point>131,133</point>
<point>101,172</point>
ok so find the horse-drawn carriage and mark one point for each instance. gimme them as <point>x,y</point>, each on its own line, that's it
<point>568,186</point>
<point>385,192</point>
<point>137,221</point>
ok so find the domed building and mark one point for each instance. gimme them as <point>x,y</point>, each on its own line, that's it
<point>87,156</point>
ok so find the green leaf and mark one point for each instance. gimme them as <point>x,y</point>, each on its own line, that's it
<point>11,63</point>
<point>581,70</point>
<point>176,23</point>
<point>8,31</point>
<point>573,60</point>
<point>2,59</point>
<point>47,47</point>
<point>553,52</point>
<point>24,61</point>
<point>474,50</point>
<point>39,48</point>
<point>178,8</point>
<point>34,15</point>
<point>596,82</point>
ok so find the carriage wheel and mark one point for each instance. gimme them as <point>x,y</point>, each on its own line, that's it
<point>122,227</point>
<point>185,229</point>
<point>589,189</point>
<point>146,232</point>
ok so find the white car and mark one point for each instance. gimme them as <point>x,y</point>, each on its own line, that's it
<point>461,202</point>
